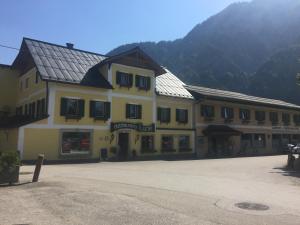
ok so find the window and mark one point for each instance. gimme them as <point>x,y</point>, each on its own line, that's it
<point>32,110</point>
<point>27,82</point>
<point>41,108</point>
<point>260,116</point>
<point>100,110</point>
<point>133,111</point>
<point>182,115</point>
<point>207,111</point>
<point>142,82</point>
<point>259,140</point>
<point>227,113</point>
<point>297,119</point>
<point>245,114</point>
<point>75,142</point>
<point>274,117</point>
<point>147,143</point>
<point>72,108</point>
<point>21,85</point>
<point>167,143</point>
<point>184,142</point>
<point>164,115</point>
<point>124,79</point>
<point>26,110</point>
<point>19,110</point>
<point>286,119</point>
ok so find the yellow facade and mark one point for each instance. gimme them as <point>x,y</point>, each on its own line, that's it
<point>78,108</point>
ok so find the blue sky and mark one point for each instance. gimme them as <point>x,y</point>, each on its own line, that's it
<point>99,25</point>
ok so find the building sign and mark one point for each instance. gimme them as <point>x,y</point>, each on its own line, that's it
<point>133,126</point>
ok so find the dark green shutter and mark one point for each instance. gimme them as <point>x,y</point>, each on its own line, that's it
<point>107,110</point>
<point>118,77</point>
<point>139,112</point>
<point>33,110</point>
<point>130,80</point>
<point>148,83</point>
<point>81,107</point>
<point>63,107</point>
<point>169,115</point>
<point>186,119</point>
<point>44,107</point>
<point>127,110</point>
<point>137,80</point>
<point>38,108</point>
<point>92,108</point>
<point>158,114</point>
<point>177,115</point>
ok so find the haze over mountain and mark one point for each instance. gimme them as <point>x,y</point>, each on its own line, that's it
<point>251,47</point>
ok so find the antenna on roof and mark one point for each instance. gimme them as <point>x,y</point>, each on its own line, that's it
<point>70,45</point>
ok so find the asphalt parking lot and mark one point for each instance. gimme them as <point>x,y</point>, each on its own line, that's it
<point>157,192</point>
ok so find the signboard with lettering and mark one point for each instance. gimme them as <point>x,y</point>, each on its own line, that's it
<point>133,126</point>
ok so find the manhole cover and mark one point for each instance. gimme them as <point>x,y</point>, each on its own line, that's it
<point>252,206</point>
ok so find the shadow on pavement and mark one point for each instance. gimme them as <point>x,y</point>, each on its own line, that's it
<point>287,171</point>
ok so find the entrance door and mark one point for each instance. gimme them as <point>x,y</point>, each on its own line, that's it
<point>124,146</point>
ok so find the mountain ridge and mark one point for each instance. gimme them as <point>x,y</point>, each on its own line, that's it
<point>228,50</point>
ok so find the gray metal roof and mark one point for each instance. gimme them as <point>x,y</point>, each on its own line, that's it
<point>239,97</point>
<point>169,85</point>
<point>60,63</point>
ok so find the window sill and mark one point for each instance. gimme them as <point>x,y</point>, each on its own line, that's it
<point>148,151</point>
<point>228,120</point>
<point>245,121</point>
<point>208,119</point>
<point>73,117</point>
<point>168,150</point>
<point>101,118</point>
<point>185,150</point>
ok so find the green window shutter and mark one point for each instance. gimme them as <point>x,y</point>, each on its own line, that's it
<point>130,80</point>
<point>158,114</point>
<point>186,116</point>
<point>38,108</point>
<point>107,110</point>
<point>169,115</point>
<point>137,81</point>
<point>118,76</point>
<point>177,115</point>
<point>33,110</point>
<point>81,107</point>
<point>127,110</point>
<point>43,107</point>
<point>92,108</point>
<point>139,112</point>
<point>63,106</point>
<point>148,83</point>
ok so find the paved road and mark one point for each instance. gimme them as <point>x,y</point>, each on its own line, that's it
<point>158,192</point>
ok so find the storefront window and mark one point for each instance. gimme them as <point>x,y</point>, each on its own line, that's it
<point>75,142</point>
<point>259,140</point>
<point>184,142</point>
<point>167,143</point>
<point>147,143</point>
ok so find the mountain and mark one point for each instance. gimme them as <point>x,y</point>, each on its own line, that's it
<point>236,49</point>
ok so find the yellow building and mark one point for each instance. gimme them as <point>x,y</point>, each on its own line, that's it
<point>235,124</point>
<point>71,104</point>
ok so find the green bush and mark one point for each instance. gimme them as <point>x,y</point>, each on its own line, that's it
<point>9,160</point>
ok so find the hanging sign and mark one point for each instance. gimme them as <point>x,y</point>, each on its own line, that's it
<point>133,126</point>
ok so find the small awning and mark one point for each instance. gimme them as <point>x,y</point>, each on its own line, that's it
<point>215,130</point>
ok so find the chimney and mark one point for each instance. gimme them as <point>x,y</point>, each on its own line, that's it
<point>70,45</point>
